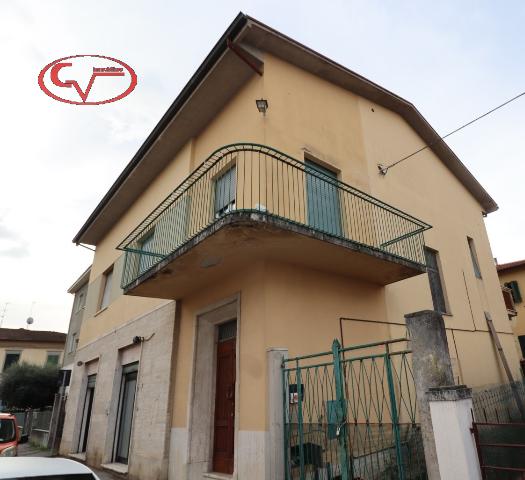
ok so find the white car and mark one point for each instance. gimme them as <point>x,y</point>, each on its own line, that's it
<point>42,468</point>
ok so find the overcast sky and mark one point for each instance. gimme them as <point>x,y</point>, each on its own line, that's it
<point>453,60</point>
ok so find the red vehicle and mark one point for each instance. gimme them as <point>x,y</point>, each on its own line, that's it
<point>9,435</point>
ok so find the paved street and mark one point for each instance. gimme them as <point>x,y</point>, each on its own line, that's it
<point>28,450</point>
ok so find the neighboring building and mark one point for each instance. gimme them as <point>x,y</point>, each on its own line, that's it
<point>32,346</point>
<point>79,289</point>
<point>210,252</point>
<point>512,277</point>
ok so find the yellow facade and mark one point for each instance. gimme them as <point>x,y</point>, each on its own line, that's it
<point>298,307</point>
<point>35,353</point>
<point>516,274</point>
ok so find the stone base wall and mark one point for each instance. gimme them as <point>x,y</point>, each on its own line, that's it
<point>150,437</point>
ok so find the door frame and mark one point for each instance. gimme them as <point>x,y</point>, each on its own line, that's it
<point>201,401</point>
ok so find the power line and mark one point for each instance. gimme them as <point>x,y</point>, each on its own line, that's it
<point>384,169</point>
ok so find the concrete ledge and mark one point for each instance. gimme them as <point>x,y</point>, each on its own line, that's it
<point>77,456</point>
<point>450,393</point>
<point>120,468</point>
<point>217,476</point>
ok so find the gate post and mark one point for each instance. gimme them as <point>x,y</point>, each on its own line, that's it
<point>341,412</point>
<point>451,411</point>
<point>432,368</point>
<point>275,459</point>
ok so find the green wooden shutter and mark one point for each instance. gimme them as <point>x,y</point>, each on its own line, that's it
<point>516,293</point>
<point>323,199</point>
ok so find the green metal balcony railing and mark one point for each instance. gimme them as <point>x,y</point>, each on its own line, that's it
<point>247,177</point>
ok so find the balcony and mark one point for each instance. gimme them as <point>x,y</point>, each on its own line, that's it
<point>248,201</point>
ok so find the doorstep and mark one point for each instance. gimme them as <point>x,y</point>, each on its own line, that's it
<point>77,456</point>
<point>217,476</point>
<point>120,468</point>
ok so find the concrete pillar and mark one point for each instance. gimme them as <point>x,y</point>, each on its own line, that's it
<point>432,368</point>
<point>275,455</point>
<point>450,409</point>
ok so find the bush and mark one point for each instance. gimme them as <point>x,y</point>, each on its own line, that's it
<point>24,385</point>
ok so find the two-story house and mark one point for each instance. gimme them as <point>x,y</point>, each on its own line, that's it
<point>79,290</point>
<point>512,277</point>
<point>255,217</point>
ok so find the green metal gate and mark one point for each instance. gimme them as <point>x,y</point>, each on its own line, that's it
<point>350,413</point>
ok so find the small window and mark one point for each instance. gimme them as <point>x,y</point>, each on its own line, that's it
<point>106,293</point>
<point>515,290</point>
<point>225,193</point>
<point>81,301</point>
<point>521,339</point>
<point>434,278</point>
<point>52,358</point>
<point>72,344</point>
<point>10,359</point>
<point>474,257</point>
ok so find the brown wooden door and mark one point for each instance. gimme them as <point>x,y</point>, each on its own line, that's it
<point>223,437</point>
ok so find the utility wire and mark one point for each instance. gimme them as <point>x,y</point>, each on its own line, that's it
<point>384,169</point>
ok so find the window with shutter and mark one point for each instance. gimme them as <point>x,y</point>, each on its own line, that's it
<point>515,289</point>
<point>434,278</point>
<point>225,193</point>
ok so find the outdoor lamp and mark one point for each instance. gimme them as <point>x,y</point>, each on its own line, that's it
<point>262,105</point>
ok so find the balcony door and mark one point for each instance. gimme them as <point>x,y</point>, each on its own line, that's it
<point>322,198</point>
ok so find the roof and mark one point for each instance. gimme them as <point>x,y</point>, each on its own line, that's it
<point>25,335</point>
<point>80,281</point>
<point>200,100</point>
<point>507,266</point>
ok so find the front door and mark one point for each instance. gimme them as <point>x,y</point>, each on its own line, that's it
<point>223,438</point>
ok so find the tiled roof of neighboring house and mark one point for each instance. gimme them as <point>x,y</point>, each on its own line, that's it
<point>24,335</point>
<point>508,266</point>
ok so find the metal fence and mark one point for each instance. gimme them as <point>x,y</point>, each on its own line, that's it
<point>497,403</point>
<point>350,413</point>
<point>499,430</point>
<point>255,178</point>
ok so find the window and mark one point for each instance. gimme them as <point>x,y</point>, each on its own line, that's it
<point>86,413</point>
<point>225,193</point>
<point>72,344</point>
<point>125,414</point>
<point>324,211</point>
<point>515,290</point>
<point>81,301</point>
<point>434,278</point>
<point>474,257</point>
<point>521,339</point>
<point>106,293</point>
<point>52,358</point>
<point>10,358</point>
<point>145,244</point>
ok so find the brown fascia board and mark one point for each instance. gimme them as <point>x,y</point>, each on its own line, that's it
<point>80,281</point>
<point>179,125</point>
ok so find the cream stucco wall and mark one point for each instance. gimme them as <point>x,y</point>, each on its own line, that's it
<point>293,307</point>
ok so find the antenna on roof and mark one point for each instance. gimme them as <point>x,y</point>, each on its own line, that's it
<point>2,315</point>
